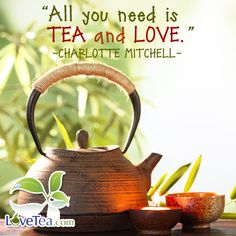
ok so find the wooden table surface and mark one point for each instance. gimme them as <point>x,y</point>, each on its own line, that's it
<point>218,228</point>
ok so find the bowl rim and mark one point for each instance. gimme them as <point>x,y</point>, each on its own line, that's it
<point>168,208</point>
<point>195,195</point>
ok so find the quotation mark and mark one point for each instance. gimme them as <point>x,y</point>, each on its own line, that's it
<point>45,7</point>
<point>190,28</point>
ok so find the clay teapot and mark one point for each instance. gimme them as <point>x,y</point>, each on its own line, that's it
<point>102,184</point>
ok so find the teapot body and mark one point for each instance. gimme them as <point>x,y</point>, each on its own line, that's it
<point>101,183</point>
<point>97,183</point>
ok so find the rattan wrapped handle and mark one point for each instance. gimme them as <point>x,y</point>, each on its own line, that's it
<point>95,69</point>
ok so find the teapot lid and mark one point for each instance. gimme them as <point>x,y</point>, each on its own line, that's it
<point>83,149</point>
<point>82,137</point>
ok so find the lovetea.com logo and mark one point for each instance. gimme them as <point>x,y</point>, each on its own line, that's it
<point>28,215</point>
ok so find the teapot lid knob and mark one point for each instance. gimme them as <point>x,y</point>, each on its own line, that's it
<point>82,138</point>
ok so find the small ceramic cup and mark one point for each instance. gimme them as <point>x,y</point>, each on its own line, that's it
<point>199,209</point>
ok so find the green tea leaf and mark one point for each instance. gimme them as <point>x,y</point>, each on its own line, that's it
<point>28,184</point>
<point>55,181</point>
<point>193,174</point>
<point>155,187</point>
<point>61,198</point>
<point>233,194</point>
<point>63,132</point>
<point>173,179</point>
<point>22,73</point>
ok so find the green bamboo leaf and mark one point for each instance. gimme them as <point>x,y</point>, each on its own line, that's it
<point>48,126</point>
<point>121,133</point>
<point>155,187</point>
<point>113,106</point>
<point>55,181</point>
<point>110,122</point>
<point>228,215</point>
<point>54,59</point>
<point>23,73</point>
<point>15,142</point>
<point>95,105</point>
<point>193,174</point>
<point>10,48</point>
<point>31,51</point>
<point>5,188</point>
<point>233,194</point>
<point>139,148</point>
<point>28,184</point>
<point>63,132</point>
<point>6,65</point>
<point>4,111</point>
<point>82,100</point>
<point>67,89</point>
<point>31,26</point>
<point>173,179</point>
<point>29,55</point>
<point>162,204</point>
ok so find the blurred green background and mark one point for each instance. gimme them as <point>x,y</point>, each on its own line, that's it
<point>26,53</point>
<point>183,114</point>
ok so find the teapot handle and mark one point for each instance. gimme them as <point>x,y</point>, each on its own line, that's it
<point>78,68</point>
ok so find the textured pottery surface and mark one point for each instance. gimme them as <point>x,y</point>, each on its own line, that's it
<point>101,183</point>
<point>98,183</point>
<point>155,222</point>
<point>198,209</point>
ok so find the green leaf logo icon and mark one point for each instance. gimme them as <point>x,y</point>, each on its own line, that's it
<point>15,220</point>
<point>27,184</point>
<point>60,199</point>
<point>55,181</point>
<point>28,209</point>
<point>55,199</point>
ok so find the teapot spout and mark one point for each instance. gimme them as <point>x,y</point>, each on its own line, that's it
<point>146,167</point>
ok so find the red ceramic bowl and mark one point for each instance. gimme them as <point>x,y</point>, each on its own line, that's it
<point>198,209</point>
